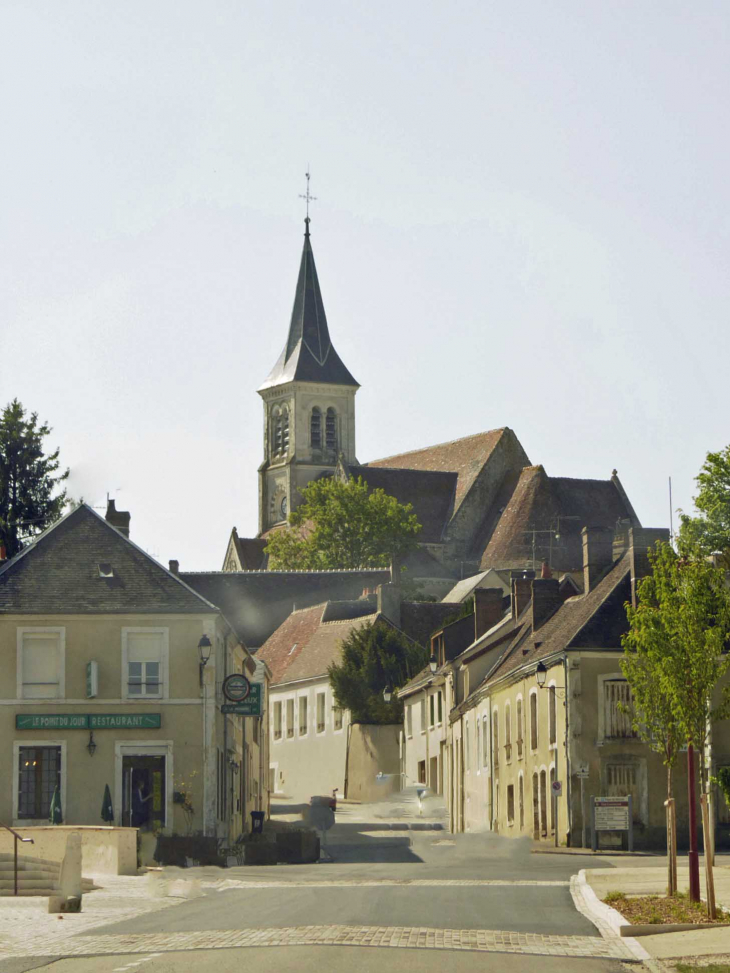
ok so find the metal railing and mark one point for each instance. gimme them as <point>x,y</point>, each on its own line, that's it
<point>15,856</point>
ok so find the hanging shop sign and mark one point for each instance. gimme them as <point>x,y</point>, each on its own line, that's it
<point>250,706</point>
<point>236,687</point>
<point>85,721</point>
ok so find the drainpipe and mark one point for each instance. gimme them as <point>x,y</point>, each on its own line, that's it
<point>568,784</point>
<point>347,757</point>
<point>490,742</point>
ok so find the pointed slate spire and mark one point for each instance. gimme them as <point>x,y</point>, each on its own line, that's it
<point>308,355</point>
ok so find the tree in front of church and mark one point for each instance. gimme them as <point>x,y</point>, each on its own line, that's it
<point>30,481</point>
<point>708,532</point>
<point>343,524</point>
<point>373,657</point>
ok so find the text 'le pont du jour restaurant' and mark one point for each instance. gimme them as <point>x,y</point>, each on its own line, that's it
<point>104,685</point>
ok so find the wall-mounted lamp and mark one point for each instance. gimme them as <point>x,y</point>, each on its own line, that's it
<point>541,674</point>
<point>388,691</point>
<point>91,745</point>
<point>433,663</point>
<point>204,649</point>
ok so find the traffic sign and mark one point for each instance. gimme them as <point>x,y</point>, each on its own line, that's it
<point>557,788</point>
<point>236,687</point>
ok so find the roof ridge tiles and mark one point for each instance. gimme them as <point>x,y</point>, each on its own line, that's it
<point>448,442</point>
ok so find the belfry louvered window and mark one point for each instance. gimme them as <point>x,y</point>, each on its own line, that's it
<point>330,429</point>
<point>315,428</point>
<point>616,700</point>
<point>280,432</point>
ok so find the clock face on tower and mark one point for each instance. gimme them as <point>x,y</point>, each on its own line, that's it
<point>283,507</point>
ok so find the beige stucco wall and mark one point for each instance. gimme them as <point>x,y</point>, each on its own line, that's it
<point>313,764</point>
<point>192,730</point>
<point>374,751</point>
<point>104,850</point>
<point>425,742</point>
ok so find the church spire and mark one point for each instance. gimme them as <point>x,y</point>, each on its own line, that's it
<point>309,355</point>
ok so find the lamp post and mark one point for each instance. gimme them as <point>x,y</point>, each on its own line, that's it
<point>433,663</point>
<point>388,691</point>
<point>204,649</point>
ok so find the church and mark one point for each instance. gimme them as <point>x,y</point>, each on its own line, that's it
<point>481,502</point>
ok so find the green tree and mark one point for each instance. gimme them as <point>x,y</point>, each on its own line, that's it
<point>709,531</point>
<point>374,656</point>
<point>682,625</point>
<point>30,498</point>
<point>343,525</point>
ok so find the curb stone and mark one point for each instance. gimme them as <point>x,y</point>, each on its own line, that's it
<point>608,921</point>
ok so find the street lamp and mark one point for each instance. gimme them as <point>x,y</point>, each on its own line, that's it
<point>388,691</point>
<point>433,663</point>
<point>204,650</point>
<point>91,745</point>
<point>541,674</point>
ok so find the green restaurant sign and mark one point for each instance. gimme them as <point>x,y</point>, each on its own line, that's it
<point>83,721</point>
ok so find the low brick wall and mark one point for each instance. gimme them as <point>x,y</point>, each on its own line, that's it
<point>104,851</point>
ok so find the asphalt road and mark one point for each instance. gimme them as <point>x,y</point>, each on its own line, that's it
<point>303,896</point>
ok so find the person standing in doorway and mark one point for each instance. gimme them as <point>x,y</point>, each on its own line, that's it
<point>140,806</point>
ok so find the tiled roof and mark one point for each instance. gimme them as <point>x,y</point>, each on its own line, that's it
<point>257,602</point>
<point>430,492</point>
<point>465,457</point>
<point>59,574</point>
<point>308,355</point>
<point>420,619</point>
<point>304,646</point>
<point>536,503</point>
<point>595,620</point>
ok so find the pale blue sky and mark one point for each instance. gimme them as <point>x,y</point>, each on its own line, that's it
<point>522,220</point>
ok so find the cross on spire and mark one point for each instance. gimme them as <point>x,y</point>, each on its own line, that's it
<point>309,198</point>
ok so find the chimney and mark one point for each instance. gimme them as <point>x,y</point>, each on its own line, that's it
<point>3,554</point>
<point>175,567</point>
<point>597,554</point>
<point>546,599</point>
<point>117,518</point>
<point>641,541</point>
<point>546,572</point>
<point>487,609</point>
<point>621,538</point>
<point>389,601</point>
<point>521,583</point>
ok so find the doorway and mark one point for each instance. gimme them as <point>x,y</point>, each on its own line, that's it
<point>434,775</point>
<point>144,787</point>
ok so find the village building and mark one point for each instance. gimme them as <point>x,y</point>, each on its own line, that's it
<point>112,675</point>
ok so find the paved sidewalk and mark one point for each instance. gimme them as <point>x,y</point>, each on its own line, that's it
<point>649,877</point>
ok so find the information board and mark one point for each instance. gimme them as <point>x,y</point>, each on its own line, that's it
<point>612,813</point>
<point>251,706</point>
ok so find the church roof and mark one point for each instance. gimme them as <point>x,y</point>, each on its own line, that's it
<point>309,355</point>
<point>465,457</point>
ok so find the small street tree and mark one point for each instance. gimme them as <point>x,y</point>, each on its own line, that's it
<point>373,657</point>
<point>652,714</point>
<point>708,531</point>
<point>682,624</point>
<point>343,525</point>
<point>30,498</point>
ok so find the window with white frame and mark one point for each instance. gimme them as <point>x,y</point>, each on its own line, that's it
<point>409,720</point>
<point>432,709</point>
<point>277,720</point>
<point>479,745</point>
<point>519,740</point>
<point>440,707</point>
<point>510,803</point>
<point>303,715</point>
<point>40,663</point>
<point>507,731</point>
<point>521,800</point>
<point>337,717</point>
<point>290,717</point>
<point>617,707</point>
<point>423,714</point>
<point>467,746</point>
<point>495,739</point>
<point>39,774</point>
<point>144,662</point>
<point>485,741</point>
<point>321,699</point>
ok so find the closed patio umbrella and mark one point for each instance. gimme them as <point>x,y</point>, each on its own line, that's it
<point>55,815</point>
<point>107,810</point>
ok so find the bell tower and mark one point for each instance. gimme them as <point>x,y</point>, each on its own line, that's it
<point>309,403</point>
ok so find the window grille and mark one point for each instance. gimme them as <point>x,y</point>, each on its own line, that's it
<point>315,429</point>
<point>330,429</point>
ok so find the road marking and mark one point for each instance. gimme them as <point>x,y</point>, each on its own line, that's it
<point>408,937</point>
<point>231,883</point>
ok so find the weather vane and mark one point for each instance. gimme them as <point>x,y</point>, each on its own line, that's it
<point>308,197</point>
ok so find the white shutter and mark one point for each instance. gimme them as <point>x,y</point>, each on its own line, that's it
<point>40,667</point>
<point>144,647</point>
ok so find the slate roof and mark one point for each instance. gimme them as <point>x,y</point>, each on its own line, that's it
<point>257,602</point>
<point>59,574</point>
<point>465,457</point>
<point>536,503</point>
<point>309,355</point>
<point>250,551</point>
<point>304,645</point>
<point>467,586</point>
<point>420,619</point>
<point>430,492</point>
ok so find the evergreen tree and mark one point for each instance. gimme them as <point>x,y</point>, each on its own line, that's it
<point>374,656</point>
<point>29,491</point>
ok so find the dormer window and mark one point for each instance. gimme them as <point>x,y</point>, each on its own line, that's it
<point>106,570</point>
<point>330,429</point>
<point>315,429</point>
